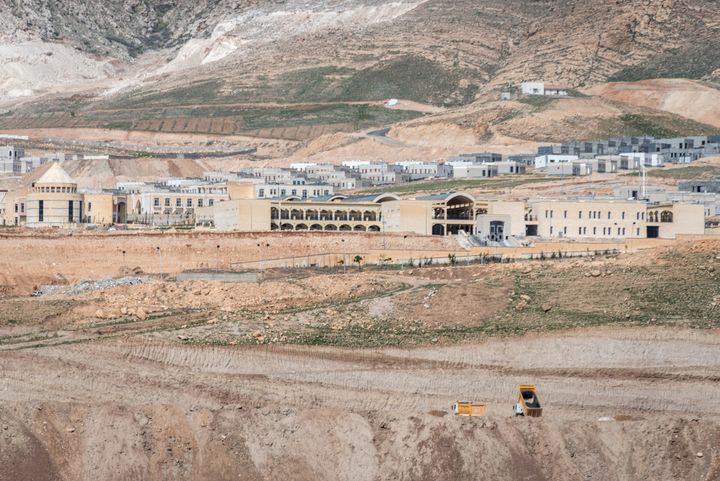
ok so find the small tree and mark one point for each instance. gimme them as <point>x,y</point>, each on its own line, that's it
<point>358,260</point>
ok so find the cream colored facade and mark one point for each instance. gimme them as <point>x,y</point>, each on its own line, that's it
<point>581,219</point>
<point>54,200</point>
<point>99,208</point>
<point>247,215</point>
<point>668,220</point>
<point>449,214</point>
<point>514,210</point>
<point>15,206</point>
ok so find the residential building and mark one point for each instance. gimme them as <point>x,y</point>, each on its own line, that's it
<point>10,156</point>
<point>556,91</point>
<point>701,186</point>
<point>478,158</point>
<point>543,161</point>
<point>464,170</point>
<point>416,170</point>
<point>576,168</point>
<point>532,88</point>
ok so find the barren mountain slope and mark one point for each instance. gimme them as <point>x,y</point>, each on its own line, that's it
<point>686,98</point>
<point>444,47</point>
<point>316,72</point>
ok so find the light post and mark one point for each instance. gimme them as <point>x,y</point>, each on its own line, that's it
<point>161,261</point>
<point>263,254</point>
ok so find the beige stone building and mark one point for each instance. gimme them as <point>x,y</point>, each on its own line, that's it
<point>582,219</point>
<point>101,208</point>
<point>54,200</point>
<point>453,213</point>
<point>441,214</point>
<point>668,220</point>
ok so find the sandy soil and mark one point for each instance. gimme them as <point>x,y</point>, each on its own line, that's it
<point>132,409</point>
<point>150,388</point>
<point>34,258</point>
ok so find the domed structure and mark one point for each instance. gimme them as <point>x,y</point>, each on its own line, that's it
<point>54,200</point>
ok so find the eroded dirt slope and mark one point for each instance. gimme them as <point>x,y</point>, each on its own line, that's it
<point>147,410</point>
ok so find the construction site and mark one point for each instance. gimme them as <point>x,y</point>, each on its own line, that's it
<point>360,240</point>
<point>124,361</point>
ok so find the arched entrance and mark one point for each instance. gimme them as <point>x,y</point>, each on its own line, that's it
<point>120,212</point>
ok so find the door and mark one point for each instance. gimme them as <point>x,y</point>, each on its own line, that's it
<point>497,231</point>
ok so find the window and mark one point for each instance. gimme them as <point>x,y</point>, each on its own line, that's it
<point>565,230</point>
<point>261,192</point>
<point>156,202</point>
<point>189,204</point>
<point>200,202</point>
<point>638,231</point>
<point>623,215</point>
<point>211,202</point>
<point>71,209</point>
<point>565,214</point>
<point>167,201</point>
<point>293,192</point>
<point>608,214</point>
<point>547,214</point>
<point>579,230</point>
<point>178,202</point>
<point>41,210</point>
<point>551,230</point>
<point>551,213</point>
<point>89,206</point>
<point>579,214</point>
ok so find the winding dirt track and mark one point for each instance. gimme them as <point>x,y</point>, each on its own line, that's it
<point>143,408</point>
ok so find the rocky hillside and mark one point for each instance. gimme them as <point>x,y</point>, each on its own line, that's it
<point>128,64</point>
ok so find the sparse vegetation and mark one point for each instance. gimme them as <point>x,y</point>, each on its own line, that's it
<point>685,173</point>
<point>539,102</point>
<point>694,61</point>
<point>658,126</point>
<point>409,77</point>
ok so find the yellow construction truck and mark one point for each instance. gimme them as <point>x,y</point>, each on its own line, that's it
<point>466,408</point>
<point>528,403</point>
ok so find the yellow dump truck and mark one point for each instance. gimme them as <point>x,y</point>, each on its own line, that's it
<point>528,403</point>
<point>466,408</point>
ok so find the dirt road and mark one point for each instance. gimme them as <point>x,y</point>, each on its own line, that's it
<point>149,409</point>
